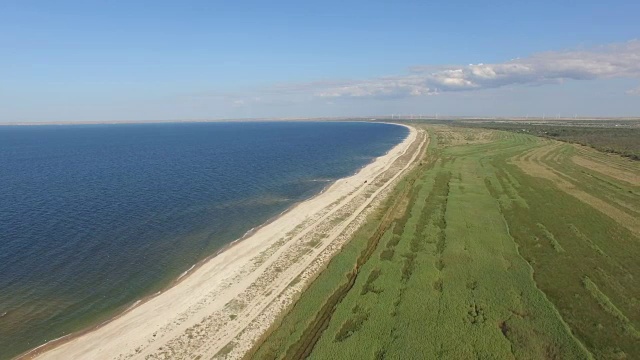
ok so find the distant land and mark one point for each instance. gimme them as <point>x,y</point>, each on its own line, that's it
<point>343,118</point>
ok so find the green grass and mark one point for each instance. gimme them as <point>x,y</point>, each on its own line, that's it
<point>620,137</point>
<point>472,257</point>
<point>609,307</point>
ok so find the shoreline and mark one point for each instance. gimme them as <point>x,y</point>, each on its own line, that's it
<point>186,121</point>
<point>124,309</point>
<point>215,260</point>
<point>371,118</point>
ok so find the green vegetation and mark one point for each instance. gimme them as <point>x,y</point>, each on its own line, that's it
<point>620,137</point>
<point>498,245</point>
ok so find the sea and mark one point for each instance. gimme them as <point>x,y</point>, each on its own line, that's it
<point>94,217</point>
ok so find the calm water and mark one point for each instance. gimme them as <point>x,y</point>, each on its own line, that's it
<point>94,217</point>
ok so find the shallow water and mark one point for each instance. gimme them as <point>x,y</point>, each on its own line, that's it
<point>93,217</point>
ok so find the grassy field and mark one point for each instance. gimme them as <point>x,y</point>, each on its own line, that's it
<point>498,245</point>
<point>619,137</point>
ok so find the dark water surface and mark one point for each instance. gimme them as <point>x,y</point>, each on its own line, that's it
<point>93,217</point>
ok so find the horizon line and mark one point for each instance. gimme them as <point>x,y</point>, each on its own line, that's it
<point>399,117</point>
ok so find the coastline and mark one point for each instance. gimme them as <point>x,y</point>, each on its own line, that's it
<point>212,284</point>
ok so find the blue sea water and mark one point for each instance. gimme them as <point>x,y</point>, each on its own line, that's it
<point>93,217</point>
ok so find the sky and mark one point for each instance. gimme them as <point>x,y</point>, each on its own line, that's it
<point>178,60</point>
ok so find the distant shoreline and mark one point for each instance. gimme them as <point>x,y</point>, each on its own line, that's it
<point>381,118</point>
<point>115,122</point>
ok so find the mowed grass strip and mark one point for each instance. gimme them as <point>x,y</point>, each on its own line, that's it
<point>482,260</point>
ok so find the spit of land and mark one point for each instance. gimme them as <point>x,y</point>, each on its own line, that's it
<point>224,306</point>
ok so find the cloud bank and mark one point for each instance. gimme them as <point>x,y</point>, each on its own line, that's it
<point>610,61</point>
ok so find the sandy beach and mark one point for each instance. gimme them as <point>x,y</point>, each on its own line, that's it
<point>223,306</point>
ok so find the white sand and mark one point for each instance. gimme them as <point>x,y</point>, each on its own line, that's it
<point>223,306</point>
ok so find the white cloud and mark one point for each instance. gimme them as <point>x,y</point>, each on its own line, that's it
<point>610,61</point>
<point>635,91</point>
<point>383,87</point>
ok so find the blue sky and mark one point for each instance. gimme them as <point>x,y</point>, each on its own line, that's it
<point>147,60</point>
